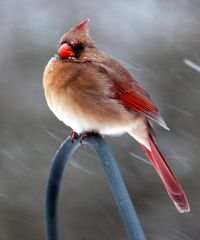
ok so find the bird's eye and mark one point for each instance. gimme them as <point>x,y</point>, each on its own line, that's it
<point>78,48</point>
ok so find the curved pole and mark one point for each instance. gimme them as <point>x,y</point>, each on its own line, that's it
<point>61,157</point>
<point>114,177</point>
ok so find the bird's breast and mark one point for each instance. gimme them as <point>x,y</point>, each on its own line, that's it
<point>78,95</point>
<point>55,82</point>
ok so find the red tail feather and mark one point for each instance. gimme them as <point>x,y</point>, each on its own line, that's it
<point>171,183</point>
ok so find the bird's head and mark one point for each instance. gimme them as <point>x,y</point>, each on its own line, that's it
<point>74,43</point>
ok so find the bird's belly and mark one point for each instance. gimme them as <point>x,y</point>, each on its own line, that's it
<point>69,117</point>
<point>81,124</point>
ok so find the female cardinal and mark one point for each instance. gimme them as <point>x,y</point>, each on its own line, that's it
<point>91,92</point>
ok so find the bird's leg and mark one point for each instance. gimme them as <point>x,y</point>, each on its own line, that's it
<point>85,134</point>
<point>74,135</point>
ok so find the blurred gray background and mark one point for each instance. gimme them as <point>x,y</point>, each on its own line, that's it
<point>157,40</point>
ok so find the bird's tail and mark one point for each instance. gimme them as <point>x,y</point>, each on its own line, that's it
<point>171,183</point>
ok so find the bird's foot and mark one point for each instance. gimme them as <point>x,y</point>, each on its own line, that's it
<point>86,134</point>
<point>74,135</point>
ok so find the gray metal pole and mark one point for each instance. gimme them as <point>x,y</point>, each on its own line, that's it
<point>114,177</point>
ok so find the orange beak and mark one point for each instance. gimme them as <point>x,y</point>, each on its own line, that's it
<point>65,51</point>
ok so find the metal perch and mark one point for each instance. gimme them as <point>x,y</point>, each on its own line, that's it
<point>114,177</point>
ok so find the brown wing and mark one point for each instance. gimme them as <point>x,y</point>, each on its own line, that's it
<point>131,94</point>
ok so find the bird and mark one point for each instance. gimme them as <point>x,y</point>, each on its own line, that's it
<point>89,91</point>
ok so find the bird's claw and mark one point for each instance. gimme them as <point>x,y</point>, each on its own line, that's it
<point>74,135</point>
<point>86,134</point>
<point>83,136</point>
